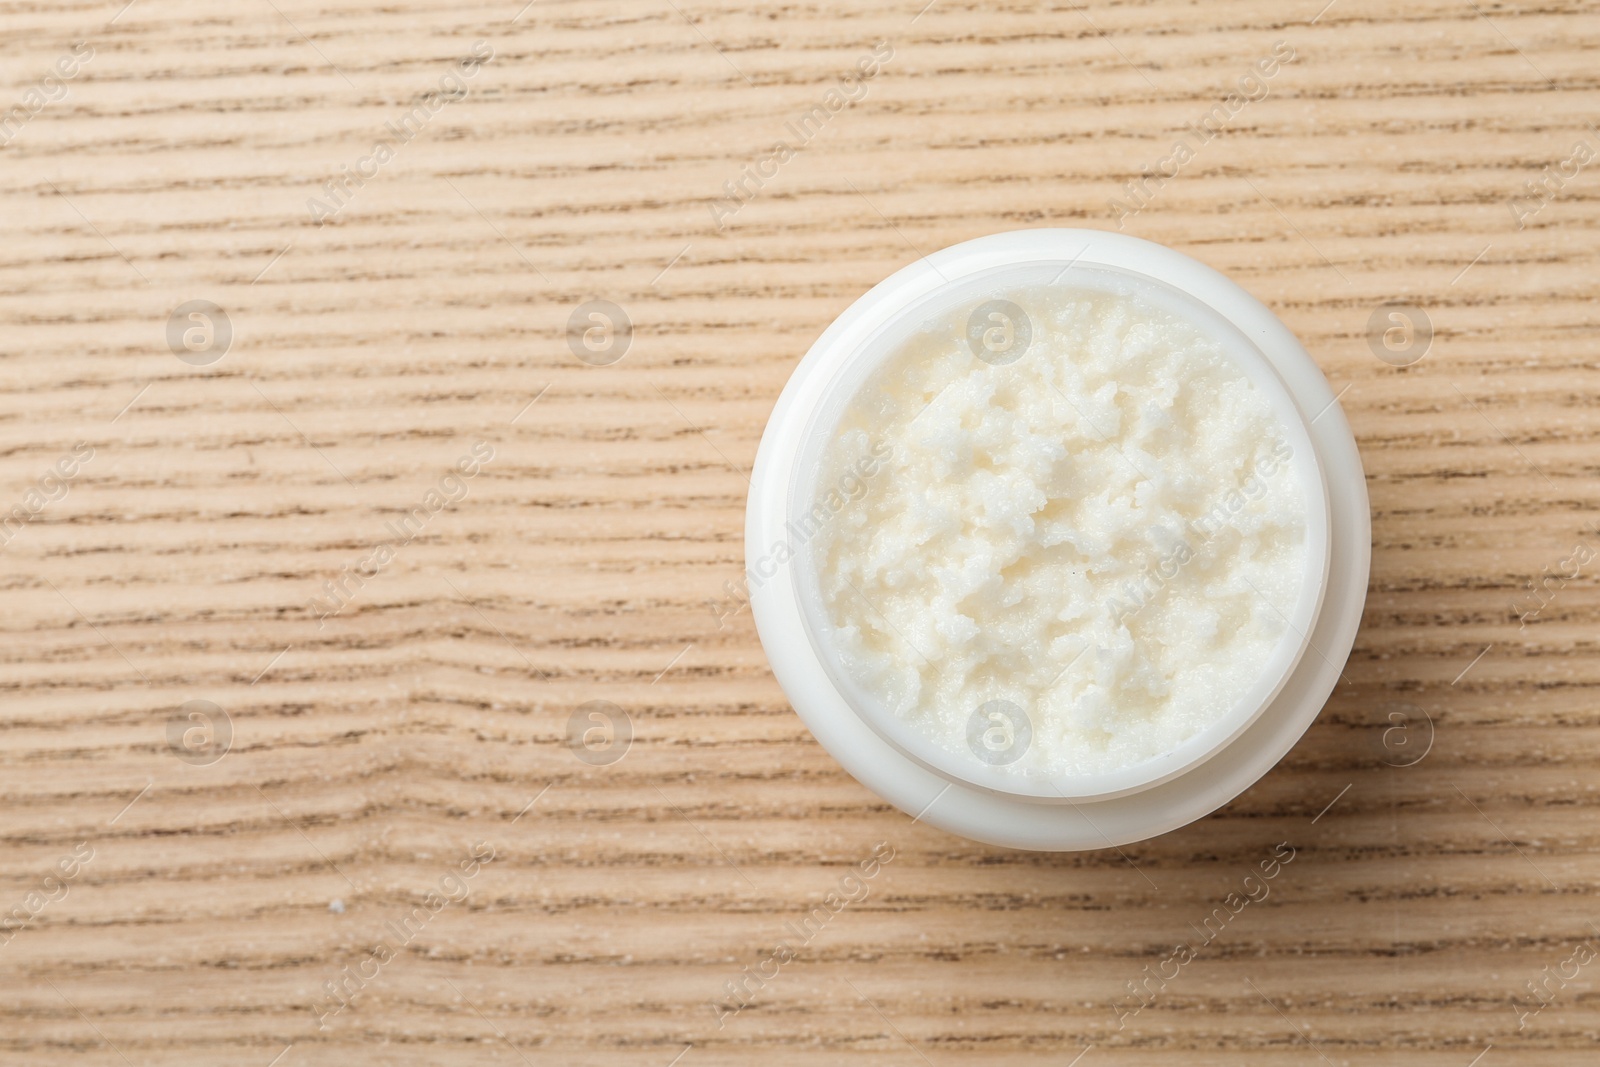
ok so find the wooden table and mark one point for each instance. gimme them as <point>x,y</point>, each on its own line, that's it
<point>188,880</point>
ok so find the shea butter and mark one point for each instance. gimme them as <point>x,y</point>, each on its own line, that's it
<point>1082,536</point>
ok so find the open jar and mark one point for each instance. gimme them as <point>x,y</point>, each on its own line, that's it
<point>1057,539</point>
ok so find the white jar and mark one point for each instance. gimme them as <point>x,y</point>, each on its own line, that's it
<point>964,795</point>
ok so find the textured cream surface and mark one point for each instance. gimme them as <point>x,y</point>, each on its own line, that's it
<point>1107,533</point>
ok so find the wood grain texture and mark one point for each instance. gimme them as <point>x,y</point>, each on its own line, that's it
<point>370,751</point>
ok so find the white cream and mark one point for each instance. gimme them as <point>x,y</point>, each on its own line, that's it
<point>1104,532</point>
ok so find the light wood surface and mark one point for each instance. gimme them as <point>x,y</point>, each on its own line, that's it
<point>371,751</point>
